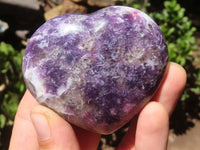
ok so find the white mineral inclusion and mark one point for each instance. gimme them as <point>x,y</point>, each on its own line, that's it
<point>100,25</point>
<point>65,29</point>
<point>31,74</point>
<point>43,44</point>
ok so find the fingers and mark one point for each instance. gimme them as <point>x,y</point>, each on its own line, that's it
<point>171,87</point>
<point>167,95</point>
<point>23,134</point>
<point>150,131</point>
<point>55,133</point>
<point>37,127</point>
<point>87,140</point>
<point>128,141</point>
<point>152,128</point>
<point>52,131</point>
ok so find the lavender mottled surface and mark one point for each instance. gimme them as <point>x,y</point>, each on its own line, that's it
<point>96,70</point>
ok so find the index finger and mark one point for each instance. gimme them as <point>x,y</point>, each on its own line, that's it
<point>172,86</point>
<point>23,134</point>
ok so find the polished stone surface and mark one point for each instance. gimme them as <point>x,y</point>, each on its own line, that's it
<point>96,70</point>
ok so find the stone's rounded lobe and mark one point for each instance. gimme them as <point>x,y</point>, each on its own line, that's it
<point>96,70</point>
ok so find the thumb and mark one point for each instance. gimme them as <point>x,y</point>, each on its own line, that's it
<point>52,131</point>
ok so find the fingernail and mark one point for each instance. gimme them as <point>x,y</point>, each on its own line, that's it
<point>41,126</point>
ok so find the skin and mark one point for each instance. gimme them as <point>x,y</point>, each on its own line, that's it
<point>149,130</point>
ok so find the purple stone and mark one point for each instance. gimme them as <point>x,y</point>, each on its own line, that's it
<point>98,70</point>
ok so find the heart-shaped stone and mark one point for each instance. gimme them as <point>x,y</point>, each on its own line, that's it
<point>98,70</point>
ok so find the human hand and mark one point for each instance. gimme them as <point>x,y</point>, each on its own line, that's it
<point>37,127</point>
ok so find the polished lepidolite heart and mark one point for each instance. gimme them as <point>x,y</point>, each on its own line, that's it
<point>98,70</point>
